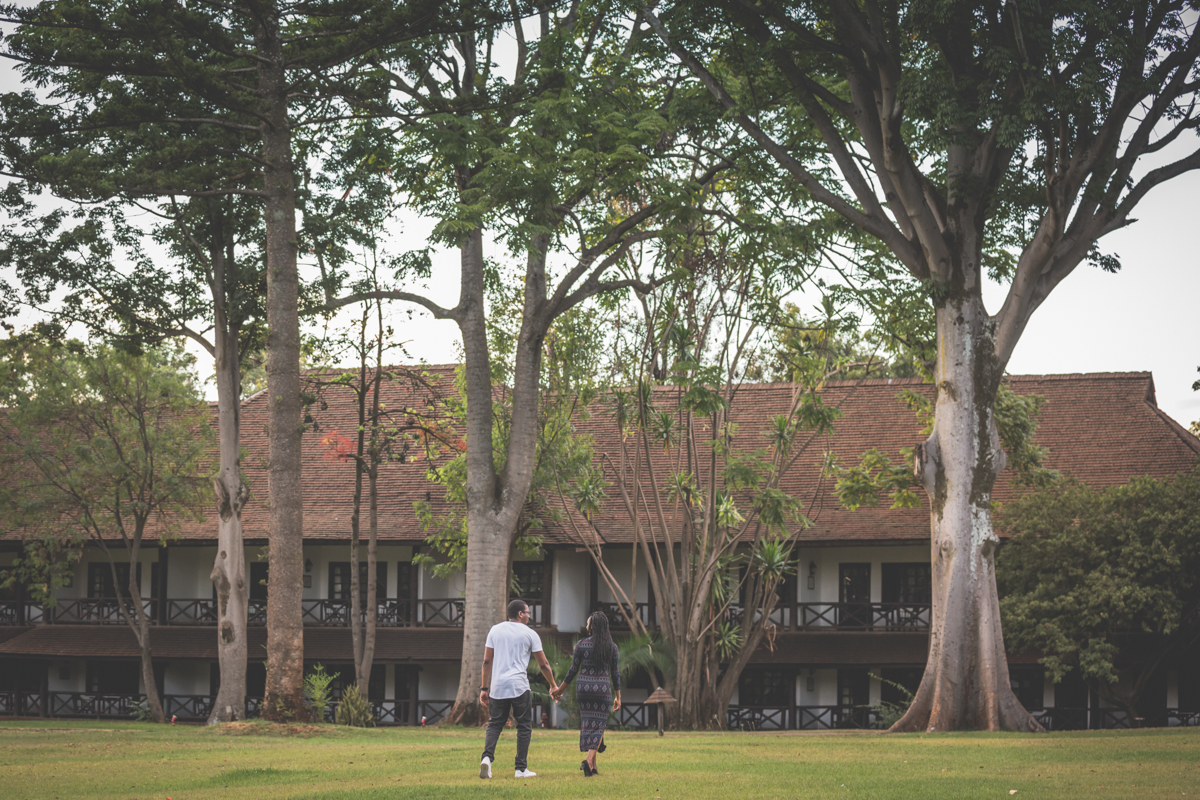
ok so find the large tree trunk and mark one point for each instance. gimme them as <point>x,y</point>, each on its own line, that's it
<point>284,698</point>
<point>489,534</point>
<point>494,502</point>
<point>488,548</point>
<point>966,682</point>
<point>229,567</point>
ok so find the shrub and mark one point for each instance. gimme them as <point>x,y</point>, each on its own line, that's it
<point>316,691</point>
<point>354,709</point>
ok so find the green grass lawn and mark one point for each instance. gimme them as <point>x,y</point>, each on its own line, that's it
<point>65,759</point>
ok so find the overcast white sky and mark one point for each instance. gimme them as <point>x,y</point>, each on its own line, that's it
<point>1144,318</point>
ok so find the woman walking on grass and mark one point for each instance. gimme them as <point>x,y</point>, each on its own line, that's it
<point>598,690</point>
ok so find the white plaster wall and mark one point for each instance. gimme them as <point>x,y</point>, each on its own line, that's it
<point>619,565</point>
<point>876,688</point>
<point>188,572</point>
<point>322,554</point>
<point>76,680</point>
<point>1047,694</point>
<point>186,677</point>
<point>94,555</point>
<point>827,560</point>
<point>438,682</point>
<point>569,590</point>
<point>636,695</point>
<point>1173,689</point>
<point>826,688</point>
<point>435,588</point>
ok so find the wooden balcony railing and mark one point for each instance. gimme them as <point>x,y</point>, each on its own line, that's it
<point>428,612</point>
<point>638,716</point>
<point>757,718</point>
<point>83,611</point>
<point>430,712</point>
<point>863,616</point>
<point>441,612</point>
<point>616,619</point>
<point>10,612</point>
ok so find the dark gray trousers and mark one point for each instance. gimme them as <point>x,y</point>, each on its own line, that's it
<point>522,709</point>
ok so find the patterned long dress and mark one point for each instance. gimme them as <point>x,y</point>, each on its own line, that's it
<point>594,693</point>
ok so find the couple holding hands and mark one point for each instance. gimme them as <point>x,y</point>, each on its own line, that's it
<point>505,686</point>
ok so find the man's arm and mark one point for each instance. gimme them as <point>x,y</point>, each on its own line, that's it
<point>485,679</point>
<point>544,666</point>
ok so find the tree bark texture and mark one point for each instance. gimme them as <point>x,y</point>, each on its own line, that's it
<point>141,627</point>
<point>229,567</point>
<point>284,697</point>
<point>966,683</point>
<point>495,501</point>
<point>134,614</point>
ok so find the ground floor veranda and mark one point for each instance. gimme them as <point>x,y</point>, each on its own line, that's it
<point>769,696</point>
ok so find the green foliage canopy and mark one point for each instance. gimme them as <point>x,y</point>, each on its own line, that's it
<point>1086,570</point>
<point>97,444</point>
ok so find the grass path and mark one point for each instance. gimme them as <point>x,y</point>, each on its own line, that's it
<point>65,760</point>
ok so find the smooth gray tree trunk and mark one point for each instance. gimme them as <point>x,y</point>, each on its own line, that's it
<point>229,566</point>
<point>495,501</point>
<point>966,683</point>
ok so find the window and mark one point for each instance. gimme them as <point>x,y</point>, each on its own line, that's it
<point>855,583</point>
<point>344,677</point>
<point>899,684</point>
<point>404,580</point>
<point>1189,686</point>
<point>100,580</point>
<point>908,582</point>
<point>381,588</point>
<point>1027,683</point>
<point>854,687</point>
<point>113,677</point>
<point>258,580</point>
<point>530,578</point>
<point>339,580</point>
<point>854,594</point>
<point>765,688</point>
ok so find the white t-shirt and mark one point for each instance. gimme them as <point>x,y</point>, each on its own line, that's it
<point>512,643</point>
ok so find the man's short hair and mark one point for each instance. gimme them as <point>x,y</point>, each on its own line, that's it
<point>515,607</point>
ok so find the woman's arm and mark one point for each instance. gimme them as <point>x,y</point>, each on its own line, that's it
<point>614,671</point>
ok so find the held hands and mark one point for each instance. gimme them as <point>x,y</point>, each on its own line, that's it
<point>556,693</point>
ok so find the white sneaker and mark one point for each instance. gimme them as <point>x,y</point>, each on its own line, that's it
<point>485,768</point>
<point>525,773</point>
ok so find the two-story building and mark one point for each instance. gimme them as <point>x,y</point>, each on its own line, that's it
<point>851,623</point>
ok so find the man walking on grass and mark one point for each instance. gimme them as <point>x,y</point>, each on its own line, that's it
<point>505,686</point>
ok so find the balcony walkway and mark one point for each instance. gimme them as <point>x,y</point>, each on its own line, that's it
<point>448,612</point>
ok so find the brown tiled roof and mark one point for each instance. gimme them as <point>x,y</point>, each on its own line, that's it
<point>1103,428</point>
<point>7,633</point>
